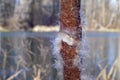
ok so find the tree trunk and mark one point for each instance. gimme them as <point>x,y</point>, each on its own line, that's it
<point>70,27</point>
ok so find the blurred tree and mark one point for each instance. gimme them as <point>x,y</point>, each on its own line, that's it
<point>6,10</point>
<point>23,17</point>
<point>55,10</point>
<point>46,12</point>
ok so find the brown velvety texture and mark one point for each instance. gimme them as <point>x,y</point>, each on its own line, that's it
<point>69,15</point>
<point>70,22</point>
<point>69,53</point>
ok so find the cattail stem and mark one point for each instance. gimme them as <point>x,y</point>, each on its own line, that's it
<point>70,25</point>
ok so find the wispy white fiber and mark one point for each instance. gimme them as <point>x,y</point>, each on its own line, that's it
<point>82,47</point>
<point>83,53</point>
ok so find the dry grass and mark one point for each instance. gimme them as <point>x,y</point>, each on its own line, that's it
<point>40,28</point>
<point>15,75</point>
<point>3,29</point>
<point>37,73</point>
<point>26,62</point>
<point>111,74</point>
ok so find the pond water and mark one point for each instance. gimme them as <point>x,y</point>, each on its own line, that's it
<point>26,55</point>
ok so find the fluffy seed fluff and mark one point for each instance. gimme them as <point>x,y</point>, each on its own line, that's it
<point>82,47</point>
<point>57,46</point>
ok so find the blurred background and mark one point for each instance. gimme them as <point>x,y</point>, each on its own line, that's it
<point>27,55</point>
<point>25,15</point>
